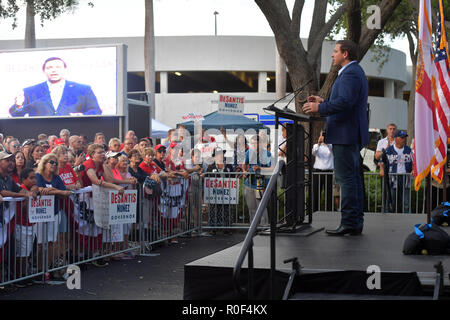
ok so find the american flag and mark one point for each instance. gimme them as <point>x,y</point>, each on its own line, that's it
<point>442,93</point>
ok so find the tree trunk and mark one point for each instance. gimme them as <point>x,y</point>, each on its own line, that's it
<point>149,56</point>
<point>30,33</point>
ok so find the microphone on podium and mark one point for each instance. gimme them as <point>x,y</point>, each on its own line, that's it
<point>286,109</point>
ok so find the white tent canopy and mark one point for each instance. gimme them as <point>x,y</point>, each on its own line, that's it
<point>159,130</point>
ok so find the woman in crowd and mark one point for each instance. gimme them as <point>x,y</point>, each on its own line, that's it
<point>240,147</point>
<point>111,163</point>
<point>72,182</point>
<point>135,159</point>
<point>47,177</point>
<point>118,233</point>
<point>20,161</point>
<point>174,195</point>
<point>94,169</point>
<point>66,172</point>
<point>34,155</point>
<point>114,145</point>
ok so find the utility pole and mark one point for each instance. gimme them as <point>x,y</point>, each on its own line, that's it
<point>215,22</point>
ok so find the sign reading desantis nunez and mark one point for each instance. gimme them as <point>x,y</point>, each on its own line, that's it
<point>231,105</point>
<point>41,209</point>
<point>122,207</point>
<point>221,190</point>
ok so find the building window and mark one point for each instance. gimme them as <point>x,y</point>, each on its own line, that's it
<point>210,81</point>
<point>376,87</point>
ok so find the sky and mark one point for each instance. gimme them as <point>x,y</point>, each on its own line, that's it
<point>120,18</point>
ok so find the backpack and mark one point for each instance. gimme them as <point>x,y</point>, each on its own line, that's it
<point>428,237</point>
<point>441,214</point>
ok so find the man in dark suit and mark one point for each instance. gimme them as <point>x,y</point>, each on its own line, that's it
<point>347,130</point>
<point>56,96</point>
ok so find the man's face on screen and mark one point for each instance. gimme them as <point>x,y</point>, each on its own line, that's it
<point>54,70</point>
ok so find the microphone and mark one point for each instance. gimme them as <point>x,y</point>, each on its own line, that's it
<point>286,108</point>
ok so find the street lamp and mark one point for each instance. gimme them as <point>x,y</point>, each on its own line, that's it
<point>215,22</point>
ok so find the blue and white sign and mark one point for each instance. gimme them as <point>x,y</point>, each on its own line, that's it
<point>269,120</point>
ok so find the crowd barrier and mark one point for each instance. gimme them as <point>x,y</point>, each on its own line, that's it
<point>214,201</point>
<point>404,198</point>
<point>38,238</point>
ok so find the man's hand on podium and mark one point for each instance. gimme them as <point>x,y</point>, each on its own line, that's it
<point>312,106</point>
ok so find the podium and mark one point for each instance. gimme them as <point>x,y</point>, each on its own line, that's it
<point>299,170</point>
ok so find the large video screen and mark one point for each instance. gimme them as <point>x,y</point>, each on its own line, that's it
<point>58,82</point>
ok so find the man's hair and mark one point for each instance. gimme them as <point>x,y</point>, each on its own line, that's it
<point>144,139</point>
<point>25,173</point>
<point>51,59</point>
<point>72,139</point>
<point>391,125</point>
<point>112,140</point>
<point>60,149</point>
<point>350,47</point>
<point>148,151</point>
<point>92,147</point>
<point>64,131</point>
<point>133,152</point>
<point>98,134</point>
<point>42,136</point>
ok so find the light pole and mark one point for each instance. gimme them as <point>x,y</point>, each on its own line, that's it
<point>215,22</point>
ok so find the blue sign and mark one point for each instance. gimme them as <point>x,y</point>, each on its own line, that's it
<point>268,119</point>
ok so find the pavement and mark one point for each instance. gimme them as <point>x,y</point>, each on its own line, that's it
<point>143,278</point>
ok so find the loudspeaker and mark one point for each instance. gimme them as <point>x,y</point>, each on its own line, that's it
<point>295,174</point>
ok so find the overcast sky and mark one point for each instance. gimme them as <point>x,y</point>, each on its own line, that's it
<point>120,18</point>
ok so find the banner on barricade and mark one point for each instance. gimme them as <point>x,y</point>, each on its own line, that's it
<point>100,197</point>
<point>122,207</point>
<point>221,190</point>
<point>41,209</point>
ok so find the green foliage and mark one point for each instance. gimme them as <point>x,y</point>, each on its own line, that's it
<point>9,10</point>
<point>44,9</point>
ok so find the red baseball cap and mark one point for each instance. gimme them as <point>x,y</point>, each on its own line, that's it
<point>59,141</point>
<point>159,146</point>
<point>173,145</point>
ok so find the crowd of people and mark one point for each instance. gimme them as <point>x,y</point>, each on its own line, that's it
<point>60,165</point>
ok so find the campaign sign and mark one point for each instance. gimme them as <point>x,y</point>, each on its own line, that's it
<point>231,105</point>
<point>192,116</point>
<point>221,190</point>
<point>41,209</point>
<point>122,207</point>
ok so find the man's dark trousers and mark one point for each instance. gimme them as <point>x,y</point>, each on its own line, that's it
<point>346,169</point>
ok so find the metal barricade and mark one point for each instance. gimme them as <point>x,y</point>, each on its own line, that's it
<point>227,203</point>
<point>22,245</point>
<point>376,200</point>
<point>173,213</point>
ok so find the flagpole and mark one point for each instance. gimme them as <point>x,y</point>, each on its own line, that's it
<point>427,198</point>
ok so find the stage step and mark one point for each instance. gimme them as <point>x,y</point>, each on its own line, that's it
<point>337,296</point>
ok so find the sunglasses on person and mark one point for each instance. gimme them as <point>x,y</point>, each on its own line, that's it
<point>16,145</point>
<point>53,162</point>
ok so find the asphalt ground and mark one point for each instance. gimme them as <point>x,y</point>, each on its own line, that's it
<point>143,278</point>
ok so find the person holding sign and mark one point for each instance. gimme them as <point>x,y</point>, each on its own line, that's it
<point>50,183</point>
<point>219,212</point>
<point>93,172</point>
<point>121,231</point>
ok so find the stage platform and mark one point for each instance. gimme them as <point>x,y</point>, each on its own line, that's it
<point>380,244</point>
